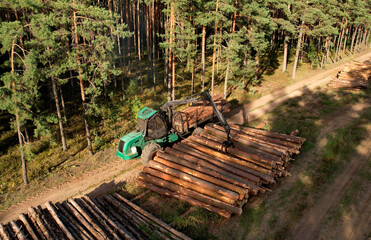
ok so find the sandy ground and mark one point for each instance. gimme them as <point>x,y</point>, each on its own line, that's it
<point>115,174</point>
<point>312,222</point>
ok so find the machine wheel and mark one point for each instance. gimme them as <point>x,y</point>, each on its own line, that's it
<point>149,151</point>
<point>197,131</point>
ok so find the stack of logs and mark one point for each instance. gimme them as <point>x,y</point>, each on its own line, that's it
<point>110,217</point>
<point>198,113</point>
<point>354,75</point>
<point>205,173</point>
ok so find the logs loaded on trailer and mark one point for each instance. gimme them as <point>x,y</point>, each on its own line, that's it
<point>201,170</point>
<point>198,113</point>
<point>354,75</point>
<point>109,217</point>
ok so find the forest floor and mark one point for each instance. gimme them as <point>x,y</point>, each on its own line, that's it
<point>276,221</point>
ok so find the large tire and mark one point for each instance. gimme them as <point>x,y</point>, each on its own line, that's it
<point>149,151</point>
<point>197,131</point>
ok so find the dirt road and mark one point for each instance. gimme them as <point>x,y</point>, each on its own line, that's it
<point>117,173</point>
<point>94,183</point>
<point>257,108</point>
<point>310,224</point>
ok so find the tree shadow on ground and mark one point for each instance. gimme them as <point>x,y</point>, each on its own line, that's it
<point>106,188</point>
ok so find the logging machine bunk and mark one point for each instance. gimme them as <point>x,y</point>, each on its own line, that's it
<point>156,129</point>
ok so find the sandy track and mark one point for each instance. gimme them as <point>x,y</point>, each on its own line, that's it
<point>94,183</point>
<point>257,108</point>
<point>310,224</point>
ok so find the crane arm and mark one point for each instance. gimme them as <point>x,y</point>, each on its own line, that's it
<point>205,95</point>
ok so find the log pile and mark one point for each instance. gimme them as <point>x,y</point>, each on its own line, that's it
<point>110,217</point>
<point>354,75</point>
<point>198,113</point>
<point>201,171</point>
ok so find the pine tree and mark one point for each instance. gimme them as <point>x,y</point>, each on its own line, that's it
<point>18,88</point>
<point>91,55</point>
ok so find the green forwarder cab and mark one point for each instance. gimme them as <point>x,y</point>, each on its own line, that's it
<point>151,134</point>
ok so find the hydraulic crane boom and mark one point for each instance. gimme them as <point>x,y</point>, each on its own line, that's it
<point>205,95</point>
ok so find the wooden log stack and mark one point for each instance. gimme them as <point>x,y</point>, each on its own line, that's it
<point>109,217</point>
<point>205,173</point>
<point>198,113</point>
<point>354,75</point>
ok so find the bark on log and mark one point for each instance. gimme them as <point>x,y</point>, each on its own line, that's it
<point>17,231</point>
<point>74,224</point>
<point>189,193</point>
<point>233,151</point>
<point>28,226</point>
<point>119,218</point>
<point>215,167</point>
<point>229,188</point>
<point>192,201</point>
<point>186,184</point>
<point>35,216</point>
<point>281,136</point>
<point>228,166</point>
<point>258,137</point>
<point>98,217</point>
<point>54,214</point>
<point>55,233</point>
<point>121,230</point>
<point>98,231</point>
<point>187,177</point>
<point>10,232</point>
<point>242,140</point>
<point>82,220</point>
<point>151,217</point>
<point>238,163</point>
<point>4,233</point>
<point>194,169</point>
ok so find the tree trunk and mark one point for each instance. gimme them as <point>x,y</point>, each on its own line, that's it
<point>20,140</point>
<point>226,80</point>
<point>60,122</point>
<point>171,55</point>
<point>356,46</point>
<point>353,38</point>
<point>285,53</point>
<point>203,57</point>
<point>298,50</point>
<point>153,47</point>
<point>21,148</point>
<point>149,53</point>
<point>327,49</point>
<point>82,90</point>
<point>367,39</point>
<point>345,43</point>
<point>363,44</point>
<point>139,53</point>
<point>173,76</point>
<point>194,71</point>
<point>128,46</point>
<point>62,103</point>
<point>214,49</point>
<point>341,39</point>
<point>257,65</point>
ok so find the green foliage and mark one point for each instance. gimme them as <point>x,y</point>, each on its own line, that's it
<point>133,100</point>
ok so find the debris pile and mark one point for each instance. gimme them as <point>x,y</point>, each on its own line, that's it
<point>354,75</point>
<point>206,173</point>
<point>198,113</point>
<point>110,217</point>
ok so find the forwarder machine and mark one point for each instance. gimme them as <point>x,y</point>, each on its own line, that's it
<point>156,129</point>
